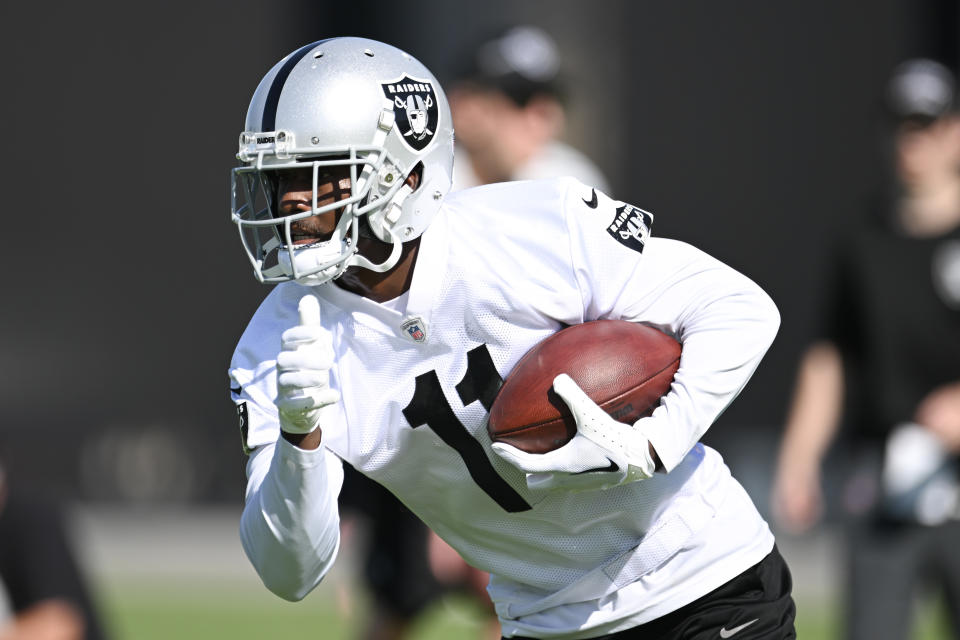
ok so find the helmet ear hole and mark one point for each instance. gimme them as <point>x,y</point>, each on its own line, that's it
<point>415,177</point>
<point>364,230</point>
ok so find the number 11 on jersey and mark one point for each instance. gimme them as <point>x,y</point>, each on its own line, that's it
<point>429,406</point>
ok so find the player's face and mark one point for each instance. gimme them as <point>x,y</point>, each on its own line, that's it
<point>295,195</point>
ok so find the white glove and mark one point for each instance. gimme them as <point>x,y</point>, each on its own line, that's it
<point>604,453</point>
<point>303,371</point>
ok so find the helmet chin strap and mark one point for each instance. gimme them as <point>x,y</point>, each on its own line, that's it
<point>380,223</point>
<point>389,263</point>
<point>310,258</point>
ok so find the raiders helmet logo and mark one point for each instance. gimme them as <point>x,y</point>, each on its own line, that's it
<point>415,107</point>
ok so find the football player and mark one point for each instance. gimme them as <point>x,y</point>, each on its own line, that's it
<point>400,308</point>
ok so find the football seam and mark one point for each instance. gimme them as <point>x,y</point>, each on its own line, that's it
<point>616,397</point>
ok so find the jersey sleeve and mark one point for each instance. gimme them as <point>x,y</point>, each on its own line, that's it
<point>290,523</point>
<point>724,321</point>
<point>290,527</point>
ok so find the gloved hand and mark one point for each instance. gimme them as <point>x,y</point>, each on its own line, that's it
<point>604,453</point>
<point>303,371</point>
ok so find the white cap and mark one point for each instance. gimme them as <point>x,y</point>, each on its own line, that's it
<point>920,88</point>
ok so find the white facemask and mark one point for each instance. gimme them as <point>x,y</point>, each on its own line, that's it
<point>309,259</point>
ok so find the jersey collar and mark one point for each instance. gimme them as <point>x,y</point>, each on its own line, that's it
<point>425,288</point>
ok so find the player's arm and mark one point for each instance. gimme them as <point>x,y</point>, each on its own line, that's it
<point>306,441</point>
<point>725,323</point>
<point>290,524</point>
<point>812,423</point>
<point>724,320</point>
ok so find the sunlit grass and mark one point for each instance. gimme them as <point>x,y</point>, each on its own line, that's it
<point>150,611</point>
<point>195,612</point>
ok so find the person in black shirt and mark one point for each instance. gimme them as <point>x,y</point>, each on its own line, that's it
<point>888,366</point>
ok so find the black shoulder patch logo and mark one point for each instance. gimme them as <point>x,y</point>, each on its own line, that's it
<point>244,419</point>
<point>631,227</point>
<point>415,108</point>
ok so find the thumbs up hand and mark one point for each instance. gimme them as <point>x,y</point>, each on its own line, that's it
<point>303,371</point>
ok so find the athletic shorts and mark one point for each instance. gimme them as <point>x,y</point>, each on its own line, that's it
<point>755,605</point>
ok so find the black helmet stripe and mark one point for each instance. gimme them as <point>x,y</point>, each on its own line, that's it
<point>276,87</point>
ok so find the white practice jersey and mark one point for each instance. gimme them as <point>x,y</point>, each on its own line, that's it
<point>501,268</point>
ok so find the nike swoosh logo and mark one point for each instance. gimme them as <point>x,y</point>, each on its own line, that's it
<point>612,467</point>
<point>728,633</point>
<point>592,202</point>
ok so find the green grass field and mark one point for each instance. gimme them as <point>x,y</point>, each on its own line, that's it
<point>247,612</point>
<point>155,612</point>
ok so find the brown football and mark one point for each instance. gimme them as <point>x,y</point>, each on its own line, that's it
<point>624,367</point>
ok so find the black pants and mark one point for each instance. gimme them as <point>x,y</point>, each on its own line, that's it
<point>888,565</point>
<point>755,605</point>
<point>37,561</point>
<point>396,568</point>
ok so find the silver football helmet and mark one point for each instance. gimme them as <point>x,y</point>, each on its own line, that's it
<point>349,102</point>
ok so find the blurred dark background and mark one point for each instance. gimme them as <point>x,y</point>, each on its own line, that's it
<point>751,129</point>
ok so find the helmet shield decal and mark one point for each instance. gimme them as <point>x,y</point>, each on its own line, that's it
<point>415,107</point>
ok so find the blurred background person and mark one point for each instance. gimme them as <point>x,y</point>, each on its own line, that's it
<point>391,546</point>
<point>43,595</point>
<point>888,366</point>
<point>509,113</point>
